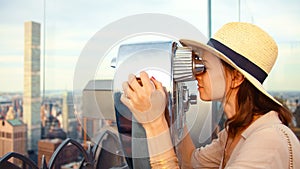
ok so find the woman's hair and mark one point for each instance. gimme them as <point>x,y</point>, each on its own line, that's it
<point>252,102</point>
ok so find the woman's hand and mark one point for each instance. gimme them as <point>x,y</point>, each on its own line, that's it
<point>147,101</point>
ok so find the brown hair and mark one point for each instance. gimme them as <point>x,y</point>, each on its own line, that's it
<point>251,102</point>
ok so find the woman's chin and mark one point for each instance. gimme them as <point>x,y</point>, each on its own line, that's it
<point>204,98</point>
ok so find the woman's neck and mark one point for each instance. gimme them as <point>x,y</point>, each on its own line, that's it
<point>230,107</point>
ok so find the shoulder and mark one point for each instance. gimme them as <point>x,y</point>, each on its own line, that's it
<point>266,140</point>
<point>276,134</point>
<point>265,148</point>
<point>273,145</point>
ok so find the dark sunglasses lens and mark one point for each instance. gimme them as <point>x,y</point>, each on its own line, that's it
<point>198,65</point>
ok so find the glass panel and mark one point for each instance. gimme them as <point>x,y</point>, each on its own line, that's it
<point>280,19</point>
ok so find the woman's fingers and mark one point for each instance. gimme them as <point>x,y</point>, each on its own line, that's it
<point>158,85</point>
<point>124,99</point>
<point>146,101</point>
<point>133,83</point>
<point>128,91</point>
<point>133,87</point>
<point>146,81</point>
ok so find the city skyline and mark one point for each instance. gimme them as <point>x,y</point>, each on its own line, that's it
<point>69,26</point>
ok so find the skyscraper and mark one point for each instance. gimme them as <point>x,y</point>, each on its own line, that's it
<point>31,95</point>
<point>69,120</point>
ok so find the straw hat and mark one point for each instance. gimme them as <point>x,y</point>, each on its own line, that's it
<point>245,47</point>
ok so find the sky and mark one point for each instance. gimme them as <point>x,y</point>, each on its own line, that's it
<point>69,25</point>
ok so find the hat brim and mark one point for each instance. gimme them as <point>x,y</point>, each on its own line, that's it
<point>197,45</point>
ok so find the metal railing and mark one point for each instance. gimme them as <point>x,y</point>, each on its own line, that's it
<point>91,157</point>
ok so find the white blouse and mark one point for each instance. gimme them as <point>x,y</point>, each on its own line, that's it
<point>262,145</point>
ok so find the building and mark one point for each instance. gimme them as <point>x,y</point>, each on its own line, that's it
<point>98,109</point>
<point>31,95</point>
<point>69,120</point>
<point>10,115</point>
<point>12,138</point>
<point>47,147</point>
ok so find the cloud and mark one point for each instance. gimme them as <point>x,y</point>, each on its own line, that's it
<point>11,60</point>
<point>10,41</point>
<point>16,12</point>
<point>70,24</point>
<point>59,78</point>
<point>12,79</point>
<point>279,18</point>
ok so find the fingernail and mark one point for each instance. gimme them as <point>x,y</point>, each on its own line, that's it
<point>131,77</point>
<point>153,78</point>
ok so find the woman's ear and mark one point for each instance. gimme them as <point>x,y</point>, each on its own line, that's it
<point>237,79</point>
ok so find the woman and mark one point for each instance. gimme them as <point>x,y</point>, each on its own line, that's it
<point>256,133</point>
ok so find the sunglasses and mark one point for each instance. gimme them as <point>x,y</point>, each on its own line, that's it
<point>198,64</point>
